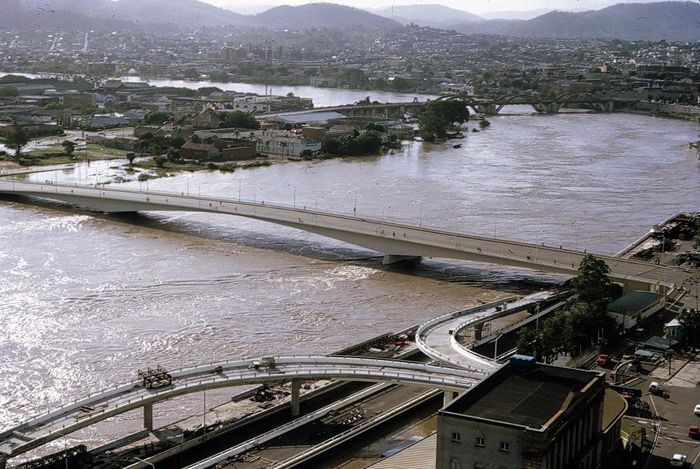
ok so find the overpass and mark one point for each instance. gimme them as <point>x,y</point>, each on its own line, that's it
<point>132,395</point>
<point>437,338</point>
<point>395,240</point>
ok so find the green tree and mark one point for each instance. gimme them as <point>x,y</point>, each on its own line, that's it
<point>241,120</point>
<point>68,147</point>
<point>592,283</point>
<point>157,118</point>
<point>690,324</point>
<point>8,91</point>
<point>131,156</point>
<point>439,116</point>
<point>17,140</point>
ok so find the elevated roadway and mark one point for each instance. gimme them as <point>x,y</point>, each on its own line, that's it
<point>395,240</point>
<point>437,338</point>
<point>134,395</point>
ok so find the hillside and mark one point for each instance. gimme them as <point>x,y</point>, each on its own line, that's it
<point>172,13</point>
<point>321,15</point>
<point>631,21</point>
<point>436,16</point>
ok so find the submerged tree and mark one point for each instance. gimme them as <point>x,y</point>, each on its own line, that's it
<point>17,140</point>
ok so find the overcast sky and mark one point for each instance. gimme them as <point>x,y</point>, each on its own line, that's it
<point>473,6</point>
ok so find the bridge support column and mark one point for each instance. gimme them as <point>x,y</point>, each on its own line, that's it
<point>393,259</point>
<point>489,109</point>
<point>478,331</point>
<point>547,108</point>
<point>449,396</point>
<point>3,461</point>
<point>296,407</point>
<point>148,417</point>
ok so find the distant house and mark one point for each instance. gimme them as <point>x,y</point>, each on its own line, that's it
<point>673,329</point>
<point>206,120</point>
<point>108,120</point>
<point>282,143</point>
<point>237,149</point>
<point>77,100</point>
<point>200,151</point>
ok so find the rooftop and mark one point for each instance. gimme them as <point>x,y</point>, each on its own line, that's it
<point>523,396</point>
<point>634,302</point>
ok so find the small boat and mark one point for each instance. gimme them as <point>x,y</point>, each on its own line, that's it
<point>459,145</point>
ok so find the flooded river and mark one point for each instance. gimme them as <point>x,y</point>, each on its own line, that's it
<point>87,300</point>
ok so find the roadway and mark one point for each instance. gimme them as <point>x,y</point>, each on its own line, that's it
<point>133,395</point>
<point>437,338</point>
<point>387,237</point>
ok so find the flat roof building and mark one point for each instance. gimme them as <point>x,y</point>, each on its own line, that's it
<point>630,309</point>
<point>530,415</point>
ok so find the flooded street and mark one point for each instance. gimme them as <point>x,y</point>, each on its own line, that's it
<point>87,300</point>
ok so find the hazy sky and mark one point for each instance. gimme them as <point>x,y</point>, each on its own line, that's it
<point>473,6</point>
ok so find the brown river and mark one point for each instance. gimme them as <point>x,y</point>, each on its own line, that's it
<point>86,300</point>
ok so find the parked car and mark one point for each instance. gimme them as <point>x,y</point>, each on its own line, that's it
<point>696,411</point>
<point>603,360</point>
<point>655,388</point>
<point>678,460</point>
<point>694,432</point>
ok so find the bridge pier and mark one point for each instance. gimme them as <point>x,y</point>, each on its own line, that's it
<point>147,417</point>
<point>390,259</point>
<point>449,396</point>
<point>478,331</point>
<point>490,109</point>
<point>296,405</point>
<point>547,108</point>
<point>3,460</point>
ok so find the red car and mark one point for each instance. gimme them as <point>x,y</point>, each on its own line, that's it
<point>603,360</point>
<point>694,432</point>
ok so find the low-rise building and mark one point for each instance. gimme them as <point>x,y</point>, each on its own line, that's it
<point>630,309</point>
<point>535,416</point>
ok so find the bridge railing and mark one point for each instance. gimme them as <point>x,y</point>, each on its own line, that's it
<point>533,259</point>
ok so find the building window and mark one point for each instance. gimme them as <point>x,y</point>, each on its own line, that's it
<point>480,441</point>
<point>505,446</point>
<point>455,463</point>
<point>456,437</point>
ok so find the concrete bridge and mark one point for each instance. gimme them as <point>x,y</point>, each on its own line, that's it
<point>395,240</point>
<point>546,105</point>
<point>485,105</point>
<point>132,395</point>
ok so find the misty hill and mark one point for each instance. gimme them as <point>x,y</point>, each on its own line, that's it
<point>632,21</point>
<point>437,16</point>
<point>321,15</point>
<point>514,14</point>
<point>28,15</point>
<point>173,13</point>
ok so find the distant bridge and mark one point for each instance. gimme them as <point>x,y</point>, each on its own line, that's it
<point>483,105</point>
<point>395,240</point>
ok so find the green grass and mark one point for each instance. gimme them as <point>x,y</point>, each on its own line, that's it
<point>55,154</point>
<point>168,166</point>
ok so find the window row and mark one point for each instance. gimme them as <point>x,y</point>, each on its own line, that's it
<point>480,441</point>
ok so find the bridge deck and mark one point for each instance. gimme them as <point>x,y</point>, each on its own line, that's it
<point>379,235</point>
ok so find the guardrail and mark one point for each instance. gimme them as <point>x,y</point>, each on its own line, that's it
<point>117,401</point>
<point>425,328</point>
